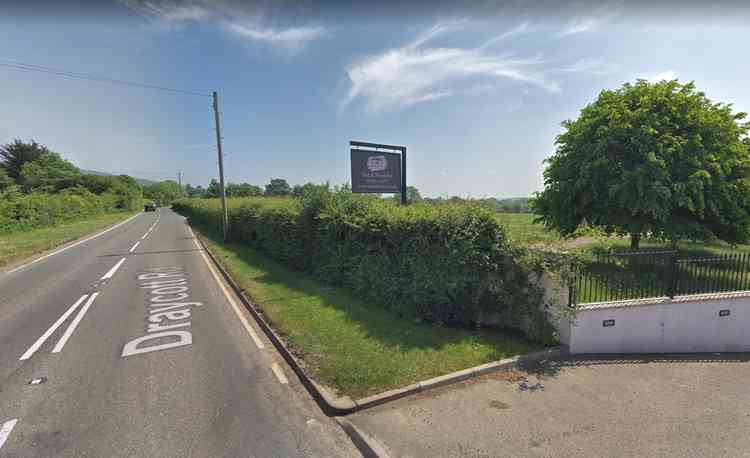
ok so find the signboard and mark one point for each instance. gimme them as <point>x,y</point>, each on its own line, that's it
<point>375,171</point>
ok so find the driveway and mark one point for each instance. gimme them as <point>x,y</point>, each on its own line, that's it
<point>688,405</point>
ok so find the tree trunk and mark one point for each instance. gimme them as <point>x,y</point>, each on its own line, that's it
<point>635,242</point>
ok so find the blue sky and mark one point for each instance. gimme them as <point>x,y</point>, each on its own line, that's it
<point>476,94</point>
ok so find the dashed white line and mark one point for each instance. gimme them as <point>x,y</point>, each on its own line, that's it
<point>30,352</point>
<point>279,373</point>
<point>134,246</point>
<point>112,271</point>
<point>72,327</point>
<point>144,235</point>
<point>243,320</point>
<point>6,429</point>
<point>71,245</point>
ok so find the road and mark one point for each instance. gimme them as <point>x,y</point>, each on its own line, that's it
<point>128,345</point>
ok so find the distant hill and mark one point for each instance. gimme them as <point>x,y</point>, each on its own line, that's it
<point>140,181</point>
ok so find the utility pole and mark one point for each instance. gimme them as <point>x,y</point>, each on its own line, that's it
<point>179,178</point>
<point>224,215</point>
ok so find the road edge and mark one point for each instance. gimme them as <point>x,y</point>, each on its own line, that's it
<point>342,406</point>
<point>34,258</point>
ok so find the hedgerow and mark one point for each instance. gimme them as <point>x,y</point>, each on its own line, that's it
<point>20,212</point>
<point>448,263</point>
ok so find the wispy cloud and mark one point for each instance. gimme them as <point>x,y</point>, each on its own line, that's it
<point>247,22</point>
<point>416,72</point>
<point>591,66</point>
<point>592,17</point>
<point>666,75</point>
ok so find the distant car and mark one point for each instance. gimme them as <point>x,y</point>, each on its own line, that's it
<point>150,207</point>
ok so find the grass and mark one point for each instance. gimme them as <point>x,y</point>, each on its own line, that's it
<point>354,347</point>
<point>20,245</point>
<point>684,247</point>
<point>521,228</point>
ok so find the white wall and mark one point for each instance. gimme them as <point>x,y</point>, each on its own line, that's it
<point>682,325</point>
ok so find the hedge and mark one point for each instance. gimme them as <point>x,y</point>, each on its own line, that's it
<point>20,212</point>
<point>447,263</point>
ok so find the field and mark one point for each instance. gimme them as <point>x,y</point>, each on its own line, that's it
<point>521,228</point>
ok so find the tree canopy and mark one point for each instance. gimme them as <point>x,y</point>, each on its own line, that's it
<point>657,159</point>
<point>278,187</point>
<point>15,155</point>
<point>164,191</point>
<point>48,173</point>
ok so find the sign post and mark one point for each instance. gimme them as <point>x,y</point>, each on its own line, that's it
<point>375,171</point>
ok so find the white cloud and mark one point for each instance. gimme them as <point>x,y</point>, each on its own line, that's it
<point>591,66</point>
<point>415,73</point>
<point>242,21</point>
<point>667,75</point>
<point>589,20</point>
<point>521,28</point>
<point>291,38</point>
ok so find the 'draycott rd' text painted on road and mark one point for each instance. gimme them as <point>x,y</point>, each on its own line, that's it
<point>168,315</point>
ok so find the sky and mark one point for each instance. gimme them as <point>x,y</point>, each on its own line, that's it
<point>476,93</point>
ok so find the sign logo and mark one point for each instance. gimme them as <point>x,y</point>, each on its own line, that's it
<point>377,163</point>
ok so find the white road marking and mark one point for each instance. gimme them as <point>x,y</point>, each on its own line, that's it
<point>72,327</point>
<point>36,381</point>
<point>112,271</point>
<point>145,235</point>
<point>52,329</point>
<point>6,429</point>
<point>279,373</point>
<point>134,246</point>
<point>71,246</point>
<point>243,320</point>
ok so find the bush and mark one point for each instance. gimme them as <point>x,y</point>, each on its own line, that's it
<point>449,264</point>
<point>19,212</point>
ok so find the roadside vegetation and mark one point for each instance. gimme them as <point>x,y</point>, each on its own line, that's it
<point>20,245</point>
<point>348,343</point>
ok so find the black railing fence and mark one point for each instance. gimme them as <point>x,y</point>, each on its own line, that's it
<point>639,275</point>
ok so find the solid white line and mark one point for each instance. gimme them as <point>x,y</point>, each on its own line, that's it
<point>243,320</point>
<point>6,429</point>
<point>72,245</point>
<point>279,373</point>
<point>52,329</point>
<point>112,271</point>
<point>72,327</point>
<point>144,235</point>
<point>134,246</point>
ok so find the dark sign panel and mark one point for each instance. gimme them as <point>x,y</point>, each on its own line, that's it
<point>376,171</point>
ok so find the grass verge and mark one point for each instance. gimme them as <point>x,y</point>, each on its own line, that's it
<point>20,245</point>
<point>357,349</point>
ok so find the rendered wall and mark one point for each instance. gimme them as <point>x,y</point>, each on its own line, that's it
<point>683,325</point>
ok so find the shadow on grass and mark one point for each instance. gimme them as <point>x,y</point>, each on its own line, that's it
<point>391,330</point>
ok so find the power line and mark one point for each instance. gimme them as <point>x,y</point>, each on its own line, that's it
<point>89,77</point>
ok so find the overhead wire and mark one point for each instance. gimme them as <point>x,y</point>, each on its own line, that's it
<point>89,77</point>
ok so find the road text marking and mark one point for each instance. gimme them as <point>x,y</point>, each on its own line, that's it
<point>134,246</point>
<point>112,271</point>
<point>68,332</point>
<point>168,287</point>
<point>243,320</point>
<point>6,429</point>
<point>30,352</point>
<point>71,246</point>
<point>279,372</point>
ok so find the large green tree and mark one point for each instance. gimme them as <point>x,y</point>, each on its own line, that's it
<point>656,159</point>
<point>14,155</point>
<point>165,192</point>
<point>48,173</point>
<point>278,187</point>
<point>5,180</point>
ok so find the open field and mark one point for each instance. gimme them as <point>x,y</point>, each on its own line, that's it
<point>353,346</point>
<point>19,245</point>
<point>522,229</point>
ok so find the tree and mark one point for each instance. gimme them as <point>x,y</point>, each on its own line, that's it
<point>165,192</point>
<point>15,155</point>
<point>412,195</point>
<point>307,188</point>
<point>248,190</point>
<point>214,189</point>
<point>655,159</point>
<point>48,173</point>
<point>278,187</point>
<point>5,180</point>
